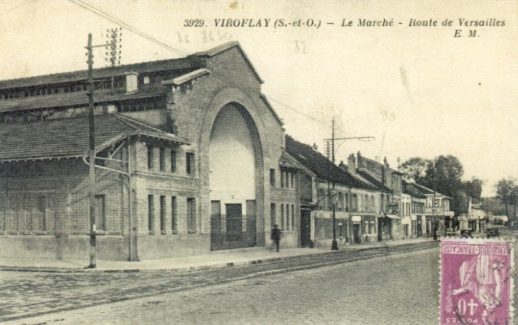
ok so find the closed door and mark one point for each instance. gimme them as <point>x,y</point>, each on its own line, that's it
<point>305,228</point>
<point>234,222</point>
<point>356,232</point>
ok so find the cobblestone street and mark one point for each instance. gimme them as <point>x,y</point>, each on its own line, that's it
<point>399,289</point>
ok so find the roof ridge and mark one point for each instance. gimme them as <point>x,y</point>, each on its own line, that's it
<point>86,70</point>
<point>210,52</point>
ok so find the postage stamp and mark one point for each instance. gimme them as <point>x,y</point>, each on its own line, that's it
<point>476,281</point>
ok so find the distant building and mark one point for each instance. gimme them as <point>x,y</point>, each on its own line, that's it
<point>322,185</point>
<point>437,211</point>
<point>389,184</point>
<point>418,203</point>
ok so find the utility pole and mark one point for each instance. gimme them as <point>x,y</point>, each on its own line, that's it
<point>332,194</point>
<point>91,154</point>
<point>113,50</point>
<point>433,205</point>
<point>334,243</point>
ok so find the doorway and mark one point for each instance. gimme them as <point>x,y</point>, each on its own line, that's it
<point>357,234</point>
<point>305,229</point>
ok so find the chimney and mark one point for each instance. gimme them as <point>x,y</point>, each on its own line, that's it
<point>315,147</point>
<point>351,164</point>
<point>131,82</point>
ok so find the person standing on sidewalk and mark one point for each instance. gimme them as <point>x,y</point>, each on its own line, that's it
<point>276,236</point>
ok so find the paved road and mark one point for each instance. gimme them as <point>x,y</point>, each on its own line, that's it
<point>400,289</point>
<point>27,294</point>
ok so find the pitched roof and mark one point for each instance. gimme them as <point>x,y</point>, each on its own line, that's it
<point>65,138</point>
<point>227,46</point>
<point>185,65</point>
<point>426,191</point>
<point>411,189</point>
<point>288,161</point>
<point>379,185</point>
<point>322,167</point>
<point>189,63</point>
<point>80,98</point>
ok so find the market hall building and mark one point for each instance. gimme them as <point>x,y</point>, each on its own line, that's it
<point>189,159</point>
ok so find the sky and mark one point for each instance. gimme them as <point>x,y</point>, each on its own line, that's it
<point>419,91</point>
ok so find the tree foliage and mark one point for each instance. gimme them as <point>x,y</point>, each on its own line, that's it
<point>414,169</point>
<point>473,188</point>
<point>442,174</point>
<point>507,192</point>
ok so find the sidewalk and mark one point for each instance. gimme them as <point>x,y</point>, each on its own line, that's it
<point>214,260</point>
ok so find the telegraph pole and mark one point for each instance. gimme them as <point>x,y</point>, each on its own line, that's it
<point>433,205</point>
<point>332,193</point>
<point>113,49</point>
<point>334,243</point>
<point>91,154</point>
<point>91,132</point>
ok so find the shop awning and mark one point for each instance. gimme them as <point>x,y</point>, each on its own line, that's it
<point>392,216</point>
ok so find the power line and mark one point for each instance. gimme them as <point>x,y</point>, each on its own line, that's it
<point>112,18</point>
<point>26,2</point>
<point>323,122</point>
<point>98,11</point>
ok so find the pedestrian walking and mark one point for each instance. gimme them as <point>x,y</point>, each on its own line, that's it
<point>276,236</point>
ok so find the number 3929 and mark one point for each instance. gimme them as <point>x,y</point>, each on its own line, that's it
<point>194,23</point>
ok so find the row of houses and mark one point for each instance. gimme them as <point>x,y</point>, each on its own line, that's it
<point>369,200</point>
<point>190,158</point>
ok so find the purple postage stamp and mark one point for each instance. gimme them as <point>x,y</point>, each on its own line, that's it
<point>476,281</point>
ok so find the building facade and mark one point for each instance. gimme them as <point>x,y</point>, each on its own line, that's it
<point>189,159</point>
<point>326,190</point>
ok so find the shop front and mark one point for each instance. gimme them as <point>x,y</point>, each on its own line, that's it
<point>388,225</point>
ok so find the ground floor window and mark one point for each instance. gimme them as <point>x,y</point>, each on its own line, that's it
<point>292,217</point>
<point>27,213</point>
<point>191,215</point>
<point>174,218</point>
<point>369,223</point>
<point>287,217</point>
<point>272,214</point>
<point>150,212</point>
<point>100,212</point>
<point>162,214</point>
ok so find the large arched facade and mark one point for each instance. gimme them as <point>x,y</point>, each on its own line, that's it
<point>235,173</point>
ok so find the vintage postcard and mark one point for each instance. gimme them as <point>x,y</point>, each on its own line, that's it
<point>258,162</point>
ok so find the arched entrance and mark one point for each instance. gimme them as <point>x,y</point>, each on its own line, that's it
<point>233,179</point>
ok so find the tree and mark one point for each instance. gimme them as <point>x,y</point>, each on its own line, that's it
<point>507,193</point>
<point>414,169</point>
<point>504,191</point>
<point>473,188</point>
<point>444,176</point>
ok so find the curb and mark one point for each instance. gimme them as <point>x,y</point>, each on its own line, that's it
<point>190,269</point>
